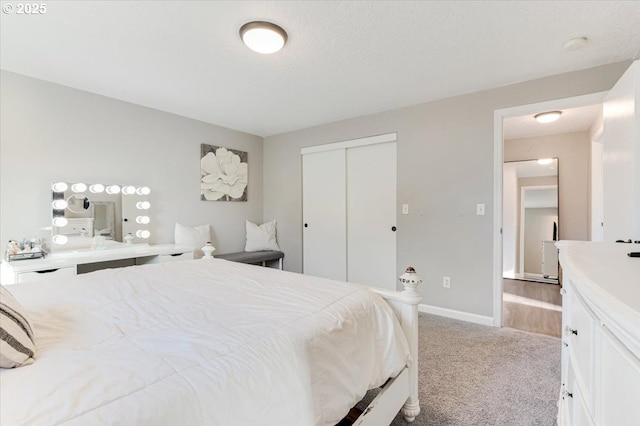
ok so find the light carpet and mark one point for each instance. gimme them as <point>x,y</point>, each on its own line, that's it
<point>477,375</point>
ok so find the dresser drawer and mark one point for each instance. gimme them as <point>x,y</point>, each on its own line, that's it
<point>618,383</point>
<point>580,335</point>
<point>25,277</point>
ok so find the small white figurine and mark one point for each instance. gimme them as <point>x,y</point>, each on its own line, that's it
<point>208,250</point>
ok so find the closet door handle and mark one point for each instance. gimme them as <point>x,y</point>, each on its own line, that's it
<point>306,225</point>
<point>393,228</point>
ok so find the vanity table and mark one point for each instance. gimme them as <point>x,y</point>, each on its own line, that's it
<point>73,262</point>
<point>601,334</point>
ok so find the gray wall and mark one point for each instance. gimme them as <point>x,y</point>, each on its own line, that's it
<point>572,151</point>
<point>445,167</point>
<point>51,132</point>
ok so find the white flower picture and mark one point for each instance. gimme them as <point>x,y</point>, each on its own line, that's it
<point>223,174</point>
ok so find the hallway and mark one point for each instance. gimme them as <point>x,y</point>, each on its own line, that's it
<point>532,306</point>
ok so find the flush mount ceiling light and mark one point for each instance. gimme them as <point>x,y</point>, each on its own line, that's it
<point>263,37</point>
<point>575,43</point>
<point>547,117</point>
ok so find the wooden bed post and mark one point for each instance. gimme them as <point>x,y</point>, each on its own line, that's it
<point>409,318</point>
<point>401,392</point>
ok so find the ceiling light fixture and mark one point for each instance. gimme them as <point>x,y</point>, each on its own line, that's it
<point>575,44</point>
<point>263,37</point>
<point>547,117</point>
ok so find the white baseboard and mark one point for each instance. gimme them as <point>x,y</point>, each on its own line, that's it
<point>459,315</point>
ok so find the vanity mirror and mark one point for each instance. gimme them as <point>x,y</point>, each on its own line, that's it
<point>98,215</point>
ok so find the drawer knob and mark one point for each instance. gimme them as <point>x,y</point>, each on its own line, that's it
<point>570,330</point>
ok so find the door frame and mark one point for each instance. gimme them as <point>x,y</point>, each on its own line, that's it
<point>498,159</point>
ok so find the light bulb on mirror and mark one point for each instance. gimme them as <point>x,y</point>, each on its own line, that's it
<point>143,219</point>
<point>143,233</point>
<point>59,204</point>
<point>113,189</point>
<point>59,187</point>
<point>143,205</point>
<point>60,239</point>
<point>143,190</point>
<point>78,187</point>
<point>60,221</point>
<point>96,188</point>
<point>128,190</point>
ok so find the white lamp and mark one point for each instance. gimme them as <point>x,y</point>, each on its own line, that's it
<point>263,37</point>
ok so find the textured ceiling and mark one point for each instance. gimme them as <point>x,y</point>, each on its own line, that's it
<point>343,59</point>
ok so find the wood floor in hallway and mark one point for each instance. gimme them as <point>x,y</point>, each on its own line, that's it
<point>532,306</point>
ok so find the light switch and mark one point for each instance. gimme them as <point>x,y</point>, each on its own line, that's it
<point>405,209</point>
<point>480,209</point>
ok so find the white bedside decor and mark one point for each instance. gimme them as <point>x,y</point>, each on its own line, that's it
<point>208,250</point>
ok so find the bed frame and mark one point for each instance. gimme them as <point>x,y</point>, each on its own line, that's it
<point>400,393</point>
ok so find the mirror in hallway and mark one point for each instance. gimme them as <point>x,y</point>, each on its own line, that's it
<point>530,220</point>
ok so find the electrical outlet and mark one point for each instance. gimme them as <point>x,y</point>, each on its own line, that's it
<point>446,282</point>
<point>480,209</point>
<point>405,209</point>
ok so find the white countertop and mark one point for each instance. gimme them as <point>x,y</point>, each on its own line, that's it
<point>67,258</point>
<point>609,281</point>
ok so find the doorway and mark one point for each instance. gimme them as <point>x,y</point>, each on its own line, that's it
<point>500,116</point>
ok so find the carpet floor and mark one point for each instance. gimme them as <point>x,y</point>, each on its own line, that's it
<point>477,375</point>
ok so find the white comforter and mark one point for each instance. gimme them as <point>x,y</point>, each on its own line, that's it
<point>204,342</point>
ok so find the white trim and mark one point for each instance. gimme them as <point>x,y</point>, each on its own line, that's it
<point>498,158</point>
<point>459,315</point>
<point>353,143</point>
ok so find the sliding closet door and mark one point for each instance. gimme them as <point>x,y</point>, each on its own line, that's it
<point>371,215</point>
<point>324,214</point>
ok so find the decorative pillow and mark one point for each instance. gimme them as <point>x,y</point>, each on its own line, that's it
<point>195,237</point>
<point>16,336</point>
<point>261,237</point>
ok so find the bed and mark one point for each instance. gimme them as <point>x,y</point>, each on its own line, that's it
<point>212,342</point>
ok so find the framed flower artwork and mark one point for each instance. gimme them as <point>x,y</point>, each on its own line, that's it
<point>223,174</point>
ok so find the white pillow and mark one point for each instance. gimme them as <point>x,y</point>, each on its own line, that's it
<point>16,340</point>
<point>261,237</point>
<point>195,237</point>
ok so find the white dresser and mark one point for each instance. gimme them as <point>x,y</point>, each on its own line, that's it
<point>72,262</point>
<point>601,334</point>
